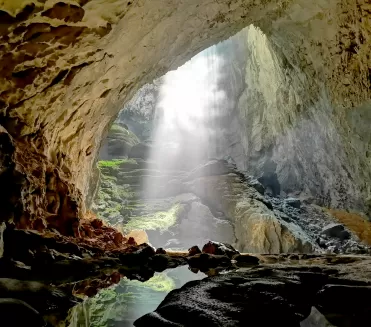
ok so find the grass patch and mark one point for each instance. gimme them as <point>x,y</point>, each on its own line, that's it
<point>161,220</point>
<point>114,163</point>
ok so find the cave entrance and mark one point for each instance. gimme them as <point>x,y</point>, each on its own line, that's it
<point>189,159</point>
<point>214,150</point>
<point>165,141</point>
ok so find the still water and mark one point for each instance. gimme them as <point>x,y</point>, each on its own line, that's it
<point>122,304</point>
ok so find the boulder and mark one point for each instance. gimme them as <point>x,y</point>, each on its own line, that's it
<point>257,186</point>
<point>160,251</point>
<point>15,313</point>
<point>194,250</point>
<point>275,295</point>
<point>161,262</point>
<point>42,298</point>
<point>293,202</point>
<point>139,235</point>
<point>218,248</point>
<point>335,230</point>
<point>206,261</point>
<point>245,259</point>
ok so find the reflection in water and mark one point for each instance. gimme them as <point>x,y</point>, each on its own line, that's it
<point>121,305</point>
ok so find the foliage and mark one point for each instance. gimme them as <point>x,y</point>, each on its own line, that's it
<point>120,133</point>
<point>114,163</point>
<point>161,220</point>
<point>112,195</point>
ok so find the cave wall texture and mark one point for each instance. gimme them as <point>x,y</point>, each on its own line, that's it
<point>278,128</point>
<point>67,67</point>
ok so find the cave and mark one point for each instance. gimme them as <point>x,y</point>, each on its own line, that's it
<point>266,207</point>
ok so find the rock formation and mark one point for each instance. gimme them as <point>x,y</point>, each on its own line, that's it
<point>67,67</point>
<point>273,295</point>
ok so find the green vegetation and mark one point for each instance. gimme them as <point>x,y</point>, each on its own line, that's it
<point>111,195</point>
<point>161,220</point>
<point>121,133</point>
<point>115,163</point>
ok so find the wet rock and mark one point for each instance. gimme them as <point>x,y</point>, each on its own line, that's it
<point>194,250</point>
<point>231,300</point>
<point>273,295</point>
<point>16,313</point>
<point>336,230</point>
<point>139,257</point>
<point>205,261</point>
<point>345,305</point>
<point>160,262</point>
<point>42,298</point>
<point>160,251</point>
<point>245,259</point>
<point>293,202</point>
<point>219,248</point>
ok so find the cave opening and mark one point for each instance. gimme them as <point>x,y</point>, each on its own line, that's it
<point>262,142</point>
<point>190,159</point>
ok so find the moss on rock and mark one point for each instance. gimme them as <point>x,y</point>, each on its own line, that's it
<point>161,220</point>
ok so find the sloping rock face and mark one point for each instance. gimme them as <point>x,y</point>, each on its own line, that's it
<point>257,228</point>
<point>68,66</point>
<point>273,295</point>
<point>295,141</point>
<point>308,142</point>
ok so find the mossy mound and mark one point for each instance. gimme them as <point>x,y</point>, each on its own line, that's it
<point>119,142</point>
<point>160,220</point>
<point>111,167</point>
<point>112,197</point>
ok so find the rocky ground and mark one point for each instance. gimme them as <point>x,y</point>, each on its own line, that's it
<point>298,291</point>
<point>43,277</point>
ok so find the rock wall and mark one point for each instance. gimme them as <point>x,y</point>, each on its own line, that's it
<point>286,128</point>
<point>67,67</point>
